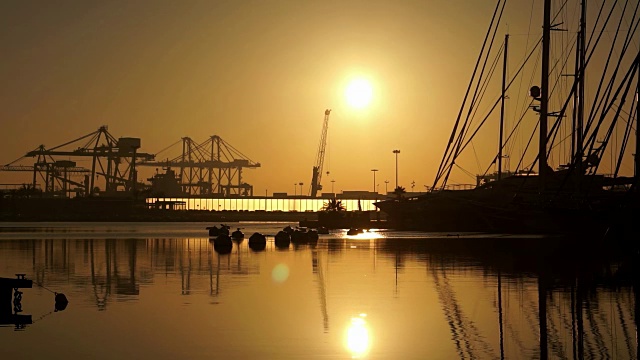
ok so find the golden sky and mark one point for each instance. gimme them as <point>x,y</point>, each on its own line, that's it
<point>257,73</point>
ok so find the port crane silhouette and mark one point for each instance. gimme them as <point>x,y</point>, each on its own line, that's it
<point>316,176</point>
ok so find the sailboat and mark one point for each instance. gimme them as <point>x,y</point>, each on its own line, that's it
<point>575,197</point>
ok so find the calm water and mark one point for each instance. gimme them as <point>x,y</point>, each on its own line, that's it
<point>160,291</point>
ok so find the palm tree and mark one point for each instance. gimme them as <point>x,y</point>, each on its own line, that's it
<point>333,205</point>
<point>399,191</point>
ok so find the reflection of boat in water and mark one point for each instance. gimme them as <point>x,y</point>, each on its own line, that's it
<point>576,197</point>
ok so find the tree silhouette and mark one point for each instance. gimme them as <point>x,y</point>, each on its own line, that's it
<point>399,191</point>
<point>333,205</point>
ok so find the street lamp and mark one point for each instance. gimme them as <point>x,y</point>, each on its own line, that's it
<point>374,179</point>
<point>396,152</point>
<point>300,188</point>
<point>295,189</point>
<point>386,187</point>
<point>332,181</point>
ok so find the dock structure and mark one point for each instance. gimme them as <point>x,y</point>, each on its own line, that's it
<point>10,300</point>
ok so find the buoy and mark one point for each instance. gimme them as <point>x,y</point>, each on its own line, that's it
<point>257,242</point>
<point>61,301</point>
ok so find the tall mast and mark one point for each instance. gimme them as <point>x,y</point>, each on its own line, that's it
<point>580,89</point>
<point>637,158</point>
<point>504,80</point>
<point>544,93</point>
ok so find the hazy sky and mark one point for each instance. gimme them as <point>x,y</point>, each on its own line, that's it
<point>257,73</point>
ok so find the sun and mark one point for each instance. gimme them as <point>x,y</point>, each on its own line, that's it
<point>359,93</point>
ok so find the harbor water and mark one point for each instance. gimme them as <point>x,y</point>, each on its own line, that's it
<point>161,291</point>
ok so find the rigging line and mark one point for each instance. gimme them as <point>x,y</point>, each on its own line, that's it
<point>476,156</point>
<point>614,120</point>
<point>613,76</point>
<point>594,109</point>
<point>525,49</point>
<point>466,171</point>
<point>498,100</point>
<point>595,25</point>
<point>627,79</point>
<point>524,108</point>
<point>464,101</point>
<point>527,148</point>
<point>623,146</point>
<point>629,25</point>
<point>485,86</point>
<point>560,115</point>
<point>486,58</point>
<point>609,105</point>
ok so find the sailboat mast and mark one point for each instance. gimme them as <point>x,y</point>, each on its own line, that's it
<point>544,93</point>
<point>504,80</point>
<point>580,90</point>
<point>637,155</point>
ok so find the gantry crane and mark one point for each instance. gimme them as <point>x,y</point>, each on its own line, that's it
<point>112,159</point>
<point>210,168</point>
<point>317,169</point>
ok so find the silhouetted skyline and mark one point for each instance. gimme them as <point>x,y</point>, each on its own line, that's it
<point>260,74</point>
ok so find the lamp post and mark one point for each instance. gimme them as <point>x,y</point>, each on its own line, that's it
<point>332,181</point>
<point>396,152</point>
<point>386,187</point>
<point>295,188</point>
<point>300,188</point>
<point>374,179</point>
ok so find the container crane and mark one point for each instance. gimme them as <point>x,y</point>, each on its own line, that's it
<point>317,169</point>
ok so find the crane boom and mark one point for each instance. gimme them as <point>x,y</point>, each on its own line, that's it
<point>317,169</point>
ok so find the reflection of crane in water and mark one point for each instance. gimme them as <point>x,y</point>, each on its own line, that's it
<point>101,290</point>
<point>317,269</point>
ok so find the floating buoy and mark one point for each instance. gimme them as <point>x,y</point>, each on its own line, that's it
<point>282,239</point>
<point>61,301</point>
<point>257,241</point>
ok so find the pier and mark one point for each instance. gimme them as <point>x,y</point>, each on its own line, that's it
<point>10,300</point>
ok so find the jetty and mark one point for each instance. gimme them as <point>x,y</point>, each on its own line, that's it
<point>10,300</point>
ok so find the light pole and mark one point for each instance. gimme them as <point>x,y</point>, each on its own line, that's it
<point>332,181</point>
<point>300,188</point>
<point>396,152</point>
<point>295,188</point>
<point>374,179</point>
<point>386,187</point>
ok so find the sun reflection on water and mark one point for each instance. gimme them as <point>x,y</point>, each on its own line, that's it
<point>366,235</point>
<point>357,340</point>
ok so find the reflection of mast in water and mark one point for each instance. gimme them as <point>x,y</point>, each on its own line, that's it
<point>463,331</point>
<point>317,269</point>
<point>500,315</point>
<point>217,289</point>
<point>542,316</point>
<point>185,278</point>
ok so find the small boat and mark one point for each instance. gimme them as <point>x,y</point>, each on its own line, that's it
<point>323,230</point>
<point>312,236</point>
<point>354,231</point>
<point>215,231</point>
<point>299,236</point>
<point>237,235</point>
<point>288,229</point>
